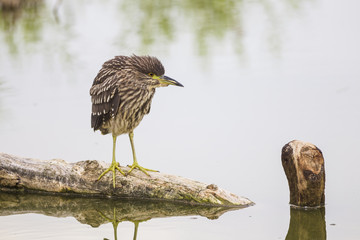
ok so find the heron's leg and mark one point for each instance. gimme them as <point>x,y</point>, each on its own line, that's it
<point>136,229</point>
<point>114,165</point>
<point>135,163</point>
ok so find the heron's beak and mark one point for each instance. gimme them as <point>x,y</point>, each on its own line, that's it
<point>169,81</point>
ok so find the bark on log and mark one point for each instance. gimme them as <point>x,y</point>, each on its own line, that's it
<point>60,177</point>
<point>304,168</point>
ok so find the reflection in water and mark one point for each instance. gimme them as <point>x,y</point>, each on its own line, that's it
<point>155,23</point>
<point>31,27</point>
<point>95,211</point>
<point>115,222</point>
<point>307,224</point>
<point>1,104</point>
<point>163,21</point>
<point>209,22</point>
<point>26,15</point>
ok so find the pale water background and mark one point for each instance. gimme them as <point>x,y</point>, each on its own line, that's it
<point>257,74</point>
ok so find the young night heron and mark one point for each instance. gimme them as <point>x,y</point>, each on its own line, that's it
<point>121,95</point>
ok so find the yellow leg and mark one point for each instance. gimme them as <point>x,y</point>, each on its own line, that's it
<point>135,163</point>
<point>136,229</point>
<point>114,165</point>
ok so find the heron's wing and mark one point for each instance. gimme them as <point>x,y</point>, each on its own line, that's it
<point>105,99</point>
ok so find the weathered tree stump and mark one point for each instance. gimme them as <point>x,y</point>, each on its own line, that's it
<point>304,168</point>
<point>59,177</point>
<point>307,224</point>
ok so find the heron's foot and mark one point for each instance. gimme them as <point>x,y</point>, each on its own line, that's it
<point>144,170</point>
<point>114,165</point>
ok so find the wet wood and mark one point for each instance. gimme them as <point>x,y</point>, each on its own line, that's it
<point>59,177</point>
<point>303,164</point>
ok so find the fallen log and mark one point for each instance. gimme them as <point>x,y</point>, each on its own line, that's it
<point>59,177</point>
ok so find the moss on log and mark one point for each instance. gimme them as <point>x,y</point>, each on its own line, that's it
<point>59,177</point>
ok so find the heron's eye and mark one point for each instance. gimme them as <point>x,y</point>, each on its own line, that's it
<point>151,74</point>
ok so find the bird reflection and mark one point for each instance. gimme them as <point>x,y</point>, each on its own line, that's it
<point>96,211</point>
<point>115,222</point>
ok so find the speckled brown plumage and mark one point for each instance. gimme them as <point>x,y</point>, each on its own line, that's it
<point>122,91</point>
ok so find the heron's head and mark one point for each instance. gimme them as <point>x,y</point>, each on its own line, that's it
<point>150,71</point>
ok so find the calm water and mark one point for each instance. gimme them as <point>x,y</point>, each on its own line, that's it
<point>257,74</point>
